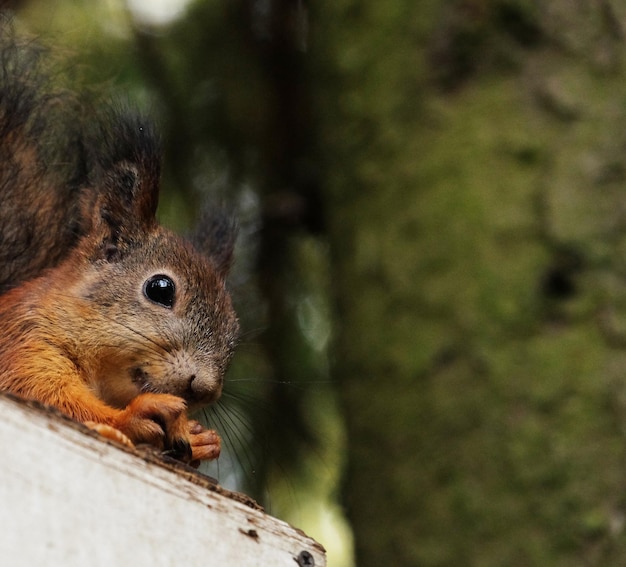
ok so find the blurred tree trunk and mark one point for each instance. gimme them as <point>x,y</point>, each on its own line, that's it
<point>475,163</point>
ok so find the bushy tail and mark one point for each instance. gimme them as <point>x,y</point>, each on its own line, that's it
<point>40,162</point>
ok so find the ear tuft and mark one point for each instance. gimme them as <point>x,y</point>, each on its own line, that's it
<point>215,236</point>
<point>125,164</point>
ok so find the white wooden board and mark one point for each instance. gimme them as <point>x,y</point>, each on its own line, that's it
<point>70,499</point>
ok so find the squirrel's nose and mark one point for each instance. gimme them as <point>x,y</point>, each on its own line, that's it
<point>190,389</point>
<point>201,390</point>
<point>199,385</point>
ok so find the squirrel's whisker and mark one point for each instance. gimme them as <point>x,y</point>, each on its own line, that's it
<point>98,299</point>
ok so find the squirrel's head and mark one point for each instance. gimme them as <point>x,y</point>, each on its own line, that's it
<point>155,311</point>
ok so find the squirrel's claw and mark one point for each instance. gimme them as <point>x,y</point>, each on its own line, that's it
<point>181,450</point>
<point>159,420</point>
<point>205,443</point>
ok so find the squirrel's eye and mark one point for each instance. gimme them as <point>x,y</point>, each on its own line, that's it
<point>160,289</point>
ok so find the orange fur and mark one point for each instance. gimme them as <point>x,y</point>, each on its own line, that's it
<point>83,325</point>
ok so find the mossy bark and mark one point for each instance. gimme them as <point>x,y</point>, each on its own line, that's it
<point>475,160</point>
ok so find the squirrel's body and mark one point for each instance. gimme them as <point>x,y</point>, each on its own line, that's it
<point>107,316</point>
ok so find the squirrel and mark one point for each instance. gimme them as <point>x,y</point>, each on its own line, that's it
<point>104,314</point>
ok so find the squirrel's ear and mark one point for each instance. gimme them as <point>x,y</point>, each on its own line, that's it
<point>215,236</point>
<point>126,165</point>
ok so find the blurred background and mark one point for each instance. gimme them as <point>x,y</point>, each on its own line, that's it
<point>431,267</point>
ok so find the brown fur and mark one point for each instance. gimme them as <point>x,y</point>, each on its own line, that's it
<point>77,330</point>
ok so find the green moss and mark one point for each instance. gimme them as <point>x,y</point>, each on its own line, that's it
<point>485,407</point>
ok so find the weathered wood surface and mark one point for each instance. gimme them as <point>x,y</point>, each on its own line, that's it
<point>70,499</point>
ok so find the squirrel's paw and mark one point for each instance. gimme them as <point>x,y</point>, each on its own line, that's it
<point>159,420</point>
<point>110,433</point>
<point>205,443</point>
